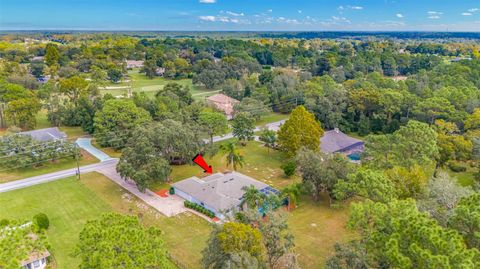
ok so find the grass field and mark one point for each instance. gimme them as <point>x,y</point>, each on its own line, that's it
<point>139,82</point>
<point>70,203</point>
<point>317,228</point>
<point>49,167</point>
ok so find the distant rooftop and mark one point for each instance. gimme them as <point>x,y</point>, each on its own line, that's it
<point>223,102</point>
<point>220,191</point>
<point>47,134</point>
<point>336,141</point>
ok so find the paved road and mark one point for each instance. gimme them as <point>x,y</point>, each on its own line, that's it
<point>106,164</point>
<point>27,182</point>
<point>275,126</point>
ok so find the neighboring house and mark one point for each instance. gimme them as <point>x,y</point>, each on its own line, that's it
<point>458,59</point>
<point>43,79</point>
<point>29,244</point>
<point>219,192</point>
<point>399,78</point>
<point>334,141</point>
<point>38,59</point>
<point>36,260</point>
<point>223,103</point>
<point>45,135</point>
<point>160,71</point>
<point>134,64</point>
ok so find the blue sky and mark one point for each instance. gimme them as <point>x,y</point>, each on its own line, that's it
<point>311,15</point>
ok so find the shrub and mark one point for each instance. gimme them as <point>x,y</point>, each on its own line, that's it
<point>199,208</point>
<point>456,167</point>
<point>289,168</point>
<point>42,221</point>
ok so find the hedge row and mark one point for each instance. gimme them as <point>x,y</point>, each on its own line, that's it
<point>199,208</point>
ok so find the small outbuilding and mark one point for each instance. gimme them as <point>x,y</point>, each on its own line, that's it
<point>223,103</point>
<point>221,192</point>
<point>46,135</point>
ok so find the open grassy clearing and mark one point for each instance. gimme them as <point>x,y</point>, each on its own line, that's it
<point>69,203</point>
<point>464,178</point>
<point>139,82</point>
<point>48,167</point>
<point>271,117</point>
<point>317,227</point>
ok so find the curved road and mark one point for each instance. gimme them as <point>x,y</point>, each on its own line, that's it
<point>106,162</point>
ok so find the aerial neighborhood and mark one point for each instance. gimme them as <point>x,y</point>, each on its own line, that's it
<point>225,135</point>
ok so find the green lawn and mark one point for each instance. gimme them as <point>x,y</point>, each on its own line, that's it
<point>70,203</point>
<point>271,117</point>
<point>317,228</point>
<point>49,167</point>
<point>464,178</point>
<point>139,82</point>
<point>261,163</point>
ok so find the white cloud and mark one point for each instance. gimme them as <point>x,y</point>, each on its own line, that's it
<point>349,7</point>
<point>473,10</point>
<point>340,19</point>
<point>434,17</point>
<point>285,20</point>
<point>207,18</point>
<point>466,14</point>
<point>399,15</point>
<point>299,11</point>
<point>225,19</point>
<point>435,13</point>
<point>208,1</point>
<point>270,10</point>
<point>234,13</point>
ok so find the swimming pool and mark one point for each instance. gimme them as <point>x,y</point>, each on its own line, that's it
<point>354,156</point>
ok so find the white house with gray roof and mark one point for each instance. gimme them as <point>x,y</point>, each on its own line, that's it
<point>46,135</point>
<point>219,192</point>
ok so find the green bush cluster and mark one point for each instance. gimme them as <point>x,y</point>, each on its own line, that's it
<point>289,168</point>
<point>199,208</point>
<point>42,221</point>
<point>456,167</point>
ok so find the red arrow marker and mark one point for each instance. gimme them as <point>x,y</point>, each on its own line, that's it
<point>198,159</point>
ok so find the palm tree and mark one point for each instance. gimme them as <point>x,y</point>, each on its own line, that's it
<point>233,157</point>
<point>291,193</point>
<point>252,197</point>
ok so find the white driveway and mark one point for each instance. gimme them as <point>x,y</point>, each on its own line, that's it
<point>86,144</point>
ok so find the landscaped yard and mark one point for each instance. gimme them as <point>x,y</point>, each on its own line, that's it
<point>69,203</point>
<point>261,163</point>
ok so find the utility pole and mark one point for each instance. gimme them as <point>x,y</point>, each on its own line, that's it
<point>77,152</point>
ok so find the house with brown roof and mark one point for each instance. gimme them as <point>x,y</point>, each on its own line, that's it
<point>134,64</point>
<point>223,103</point>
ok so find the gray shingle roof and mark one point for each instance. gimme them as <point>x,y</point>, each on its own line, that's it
<point>47,134</point>
<point>336,141</point>
<point>219,191</point>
